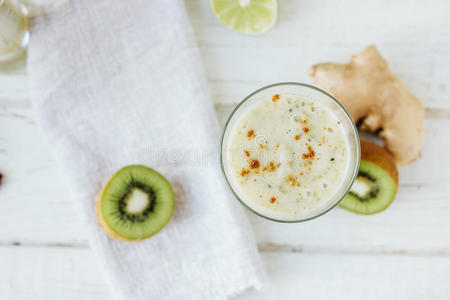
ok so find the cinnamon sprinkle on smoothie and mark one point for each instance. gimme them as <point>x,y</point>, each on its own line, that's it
<point>250,133</point>
<point>289,165</point>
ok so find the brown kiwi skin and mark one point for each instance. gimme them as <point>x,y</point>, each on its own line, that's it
<point>379,156</point>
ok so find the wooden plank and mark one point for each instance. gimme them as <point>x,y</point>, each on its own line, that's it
<point>311,276</point>
<point>416,224</point>
<point>26,160</point>
<point>34,192</point>
<point>72,273</point>
<point>399,254</point>
<point>13,87</point>
<point>50,273</point>
<point>413,38</point>
<point>37,205</point>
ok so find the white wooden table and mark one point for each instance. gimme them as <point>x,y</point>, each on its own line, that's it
<point>402,253</point>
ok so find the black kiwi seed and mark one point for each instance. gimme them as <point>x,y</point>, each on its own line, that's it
<point>373,192</point>
<point>142,216</point>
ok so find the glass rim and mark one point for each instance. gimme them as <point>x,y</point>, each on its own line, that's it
<point>354,130</point>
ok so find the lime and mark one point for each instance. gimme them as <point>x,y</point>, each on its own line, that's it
<point>246,16</point>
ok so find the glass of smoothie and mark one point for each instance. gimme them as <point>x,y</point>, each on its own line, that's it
<point>290,152</point>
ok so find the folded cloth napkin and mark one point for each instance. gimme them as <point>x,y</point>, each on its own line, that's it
<point>120,82</point>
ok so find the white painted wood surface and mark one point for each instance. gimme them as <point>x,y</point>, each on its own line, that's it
<point>402,253</point>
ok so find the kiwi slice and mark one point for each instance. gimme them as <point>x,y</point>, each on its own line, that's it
<point>136,203</point>
<point>376,184</point>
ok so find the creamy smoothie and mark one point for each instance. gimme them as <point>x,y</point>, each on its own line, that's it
<point>288,157</point>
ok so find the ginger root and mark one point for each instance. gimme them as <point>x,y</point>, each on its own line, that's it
<point>377,100</point>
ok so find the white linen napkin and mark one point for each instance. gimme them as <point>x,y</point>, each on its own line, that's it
<point>121,82</point>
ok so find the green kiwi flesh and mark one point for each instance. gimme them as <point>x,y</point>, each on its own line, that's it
<point>373,190</point>
<point>137,202</point>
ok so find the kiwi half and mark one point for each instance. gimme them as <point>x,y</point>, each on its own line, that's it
<point>136,203</point>
<point>376,185</point>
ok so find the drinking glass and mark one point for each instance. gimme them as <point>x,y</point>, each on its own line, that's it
<point>307,92</point>
<point>14,35</point>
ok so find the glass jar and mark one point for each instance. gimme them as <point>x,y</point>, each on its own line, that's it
<point>14,34</point>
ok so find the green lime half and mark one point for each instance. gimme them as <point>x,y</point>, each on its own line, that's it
<point>246,16</point>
